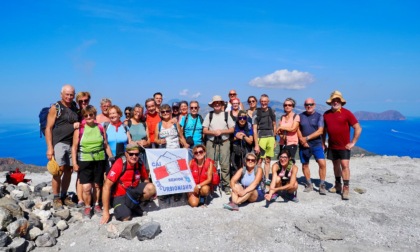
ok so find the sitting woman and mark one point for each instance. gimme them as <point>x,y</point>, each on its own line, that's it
<point>284,178</point>
<point>202,172</point>
<point>246,184</point>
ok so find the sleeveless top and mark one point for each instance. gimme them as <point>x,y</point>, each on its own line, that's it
<point>171,136</point>
<point>137,131</point>
<point>117,140</point>
<point>91,145</point>
<point>63,126</point>
<point>200,173</point>
<point>248,178</point>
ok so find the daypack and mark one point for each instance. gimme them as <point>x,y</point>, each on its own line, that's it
<point>262,183</point>
<point>15,177</point>
<point>124,168</point>
<point>226,118</point>
<point>43,116</point>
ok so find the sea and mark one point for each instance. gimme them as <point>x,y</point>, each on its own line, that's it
<point>22,141</point>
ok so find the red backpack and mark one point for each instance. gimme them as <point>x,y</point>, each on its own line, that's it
<point>15,177</point>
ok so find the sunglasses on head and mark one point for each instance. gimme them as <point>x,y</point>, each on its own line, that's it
<point>133,154</point>
<point>198,152</point>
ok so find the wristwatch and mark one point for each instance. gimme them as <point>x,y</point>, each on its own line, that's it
<point>199,186</point>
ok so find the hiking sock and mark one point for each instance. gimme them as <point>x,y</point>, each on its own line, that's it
<point>321,182</point>
<point>56,196</point>
<point>346,182</point>
<point>338,180</point>
<point>308,182</point>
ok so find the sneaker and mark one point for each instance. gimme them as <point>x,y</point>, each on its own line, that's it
<point>227,191</point>
<point>80,204</point>
<point>57,203</point>
<point>97,210</point>
<point>267,182</point>
<point>274,197</point>
<point>346,191</point>
<point>322,189</point>
<point>69,202</point>
<point>308,188</point>
<point>87,212</point>
<point>336,189</point>
<point>292,197</point>
<point>231,206</point>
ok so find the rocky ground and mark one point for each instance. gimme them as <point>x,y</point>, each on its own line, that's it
<point>382,216</point>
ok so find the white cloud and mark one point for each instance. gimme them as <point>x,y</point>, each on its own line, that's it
<point>196,95</point>
<point>184,92</point>
<point>283,79</point>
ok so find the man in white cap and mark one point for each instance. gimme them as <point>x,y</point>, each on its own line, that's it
<point>217,126</point>
<point>337,122</point>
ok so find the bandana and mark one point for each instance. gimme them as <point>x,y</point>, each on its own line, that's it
<point>117,125</point>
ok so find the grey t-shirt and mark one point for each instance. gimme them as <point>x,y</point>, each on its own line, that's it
<point>265,124</point>
<point>218,123</point>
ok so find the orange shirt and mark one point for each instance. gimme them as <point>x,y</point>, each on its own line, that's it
<point>151,122</point>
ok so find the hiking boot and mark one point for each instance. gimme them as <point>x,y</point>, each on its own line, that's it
<point>346,191</point>
<point>97,210</point>
<point>322,190</point>
<point>69,202</point>
<point>267,182</point>
<point>308,188</point>
<point>87,212</point>
<point>57,203</point>
<point>336,189</point>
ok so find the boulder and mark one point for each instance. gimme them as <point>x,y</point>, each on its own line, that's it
<point>129,232</point>
<point>148,230</point>
<point>62,225</point>
<point>63,214</point>
<point>18,228</point>
<point>47,224</point>
<point>34,233</point>
<point>53,231</point>
<point>112,231</point>
<point>5,218</point>
<point>4,239</point>
<point>45,240</point>
<point>17,195</point>
<point>18,245</point>
<point>43,214</point>
<point>12,206</point>
<point>34,221</point>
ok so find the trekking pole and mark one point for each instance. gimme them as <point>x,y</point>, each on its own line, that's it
<point>220,173</point>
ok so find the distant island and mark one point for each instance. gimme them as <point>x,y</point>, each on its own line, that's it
<point>389,115</point>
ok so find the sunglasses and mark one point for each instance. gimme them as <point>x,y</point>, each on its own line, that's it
<point>136,154</point>
<point>165,111</point>
<point>250,160</point>
<point>127,113</point>
<point>284,157</point>
<point>288,105</point>
<point>309,104</point>
<point>232,94</point>
<point>193,108</point>
<point>88,115</point>
<point>198,152</point>
<point>242,117</point>
<point>84,101</point>
<point>252,101</point>
<point>217,103</point>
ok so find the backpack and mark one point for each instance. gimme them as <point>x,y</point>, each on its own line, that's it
<point>226,118</point>
<point>271,113</point>
<point>160,127</point>
<point>124,168</point>
<point>43,117</point>
<point>262,183</point>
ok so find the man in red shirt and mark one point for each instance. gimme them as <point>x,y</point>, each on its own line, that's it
<point>338,121</point>
<point>152,119</point>
<point>134,178</point>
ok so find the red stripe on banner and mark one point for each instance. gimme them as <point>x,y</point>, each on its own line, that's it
<point>160,172</point>
<point>182,163</point>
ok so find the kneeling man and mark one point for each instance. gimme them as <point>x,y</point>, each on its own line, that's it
<point>126,185</point>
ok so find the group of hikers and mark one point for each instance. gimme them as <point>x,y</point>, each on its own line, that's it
<point>107,151</point>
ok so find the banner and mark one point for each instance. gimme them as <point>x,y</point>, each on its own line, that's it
<point>170,171</point>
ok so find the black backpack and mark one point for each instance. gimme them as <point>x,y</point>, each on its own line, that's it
<point>271,113</point>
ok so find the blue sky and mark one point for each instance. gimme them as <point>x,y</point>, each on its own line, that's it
<point>127,50</point>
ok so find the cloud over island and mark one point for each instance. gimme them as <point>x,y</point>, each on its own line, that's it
<point>283,79</point>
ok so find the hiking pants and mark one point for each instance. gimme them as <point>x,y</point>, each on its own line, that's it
<point>221,153</point>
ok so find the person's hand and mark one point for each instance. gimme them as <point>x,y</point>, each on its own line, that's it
<point>257,149</point>
<point>268,196</point>
<point>75,167</point>
<point>241,193</point>
<point>240,135</point>
<point>105,217</point>
<point>162,141</point>
<point>217,132</point>
<point>186,146</point>
<point>349,146</point>
<point>196,190</point>
<point>50,154</point>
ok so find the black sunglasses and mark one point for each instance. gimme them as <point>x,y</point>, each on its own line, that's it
<point>133,154</point>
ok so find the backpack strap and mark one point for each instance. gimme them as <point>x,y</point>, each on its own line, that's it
<point>106,124</point>
<point>129,123</point>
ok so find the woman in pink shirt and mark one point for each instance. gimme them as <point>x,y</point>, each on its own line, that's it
<point>288,126</point>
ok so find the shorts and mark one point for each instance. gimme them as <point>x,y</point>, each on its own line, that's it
<point>91,172</point>
<point>122,211</point>
<point>267,144</point>
<point>261,194</point>
<point>306,153</point>
<point>291,148</point>
<point>62,154</point>
<point>338,154</point>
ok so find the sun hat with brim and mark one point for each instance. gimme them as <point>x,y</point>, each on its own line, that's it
<point>216,98</point>
<point>53,167</point>
<point>336,94</point>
